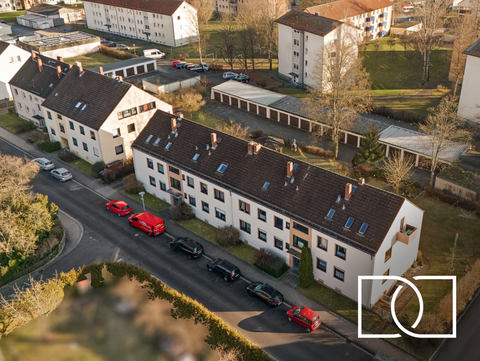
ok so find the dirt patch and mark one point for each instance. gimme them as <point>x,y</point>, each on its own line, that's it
<point>259,76</point>
<point>409,293</point>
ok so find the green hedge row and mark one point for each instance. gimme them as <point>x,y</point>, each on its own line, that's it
<point>50,147</point>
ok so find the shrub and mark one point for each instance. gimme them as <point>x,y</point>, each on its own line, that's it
<point>287,141</point>
<point>132,185</point>
<point>262,83</point>
<point>450,199</point>
<point>181,212</point>
<point>377,172</point>
<point>50,147</point>
<point>12,111</point>
<point>228,237</point>
<point>114,53</point>
<point>36,137</point>
<point>269,262</point>
<point>401,115</point>
<point>24,126</point>
<point>363,170</point>
<point>118,171</point>
<point>182,57</point>
<point>305,270</point>
<point>68,157</point>
<point>97,167</point>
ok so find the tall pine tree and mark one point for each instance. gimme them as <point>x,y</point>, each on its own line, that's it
<point>371,151</point>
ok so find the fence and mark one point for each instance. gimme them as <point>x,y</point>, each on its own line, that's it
<point>386,315</point>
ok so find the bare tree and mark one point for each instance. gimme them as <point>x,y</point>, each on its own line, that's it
<point>396,170</point>
<point>249,23</point>
<point>234,129</point>
<point>15,176</point>
<point>197,25</point>
<point>442,127</point>
<point>227,29</point>
<point>272,10</point>
<point>191,102</point>
<point>344,86</point>
<point>204,10</point>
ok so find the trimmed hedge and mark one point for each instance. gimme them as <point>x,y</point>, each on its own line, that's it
<point>97,167</point>
<point>269,262</point>
<point>24,126</point>
<point>449,198</point>
<point>182,212</point>
<point>50,147</point>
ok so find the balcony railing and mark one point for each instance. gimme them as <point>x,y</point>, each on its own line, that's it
<point>408,235</point>
<point>371,18</point>
<point>369,28</point>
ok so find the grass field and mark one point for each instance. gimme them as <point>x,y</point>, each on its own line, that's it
<point>11,16</point>
<point>8,121</point>
<point>84,166</point>
<point>151,201</point>
<point>416,105</point>
<point>91,60</point>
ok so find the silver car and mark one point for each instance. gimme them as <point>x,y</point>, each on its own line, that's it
<point>61,174</point>
<point>44,163</point>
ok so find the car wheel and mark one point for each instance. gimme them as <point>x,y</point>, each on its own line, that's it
<point>189,256</point>
<point>210,269</point>
<point>107,208</point>
<point>225,278</point>
<point>308,330</point>
<point>289,318</point>
<point>131,224</point>
<point>250,293</point>
<point>270,305</point>
<point>151,234</point>
<point>118,214</point>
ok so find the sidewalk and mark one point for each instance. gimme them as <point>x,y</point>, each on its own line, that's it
<point>330,320</point>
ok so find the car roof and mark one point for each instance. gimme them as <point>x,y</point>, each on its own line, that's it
<point>43,159</point>
<point>308,313</point>
<point>227,265</point>
<point>62,170</point>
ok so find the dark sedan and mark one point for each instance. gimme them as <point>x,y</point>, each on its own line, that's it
<point>265,293</point>
<point>243,78</point>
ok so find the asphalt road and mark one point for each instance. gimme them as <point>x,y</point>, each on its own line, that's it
<point>108,237</point>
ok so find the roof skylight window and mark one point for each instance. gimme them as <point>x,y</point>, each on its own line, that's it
<point>363,228</point>
<point>222,168</point>
<point>349,222</point>
<point>295,166</point>
<point>265,186</point>
<point>195,157</point>
<point>157,141</point>
<point>149,138</point>
<point>330,213</point>
<point>168,145</point>
<point>83,108</point>
<point>79,104</point>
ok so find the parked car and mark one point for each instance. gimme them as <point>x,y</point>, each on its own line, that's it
<point>189,66</point>
<point>229,75</point>
<point>122,47</point>
<point>227,270</point>
<point>193,249</point>
<point>176,62</point>
<point>154,53</point>
<point>44,163</point>
<point>61,174</point>
<point>147,222</point>
<point>201,67</point>
<point>108,43</point>
<point>183,65</point>
<point>2,22</point>
<point>119,207</point>
<point>265,293</point>
<point>180,64</point>
<point>305,317</point>
<point>243,78</point>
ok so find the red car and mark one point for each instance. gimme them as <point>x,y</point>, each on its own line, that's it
<point>119,207</point>
<point>176,62</point>
<point>147,222</point>
<point>305,317</point>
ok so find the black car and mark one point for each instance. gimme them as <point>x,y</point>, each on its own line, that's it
<point>266,293</point>
<point>229,271</point>
<point>193,249</point>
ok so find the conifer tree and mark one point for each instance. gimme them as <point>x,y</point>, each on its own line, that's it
<point>305,269</point>
<point>371,151</point>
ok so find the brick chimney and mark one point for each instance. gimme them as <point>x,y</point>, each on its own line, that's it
<point>34,56</point>
<point>213,136</point>
<point>59,71</point>
<point>100,70</point>
<point>180,116</point>
<point>250,148</point>
<point>289,169</point>
<point>256,148</point>
<point>348,191</point>
<point>70,66</point>
<point>80,68</point>
<point>174,125</point>
<point>59,58</point>
<point>120,78</point>
<point>40,64</point>
<point>361,181</point>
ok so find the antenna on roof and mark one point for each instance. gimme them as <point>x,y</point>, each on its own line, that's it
<point>297,188</point>
<point>339,199</point>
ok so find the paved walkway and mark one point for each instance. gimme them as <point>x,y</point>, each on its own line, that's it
<point>74,230</point>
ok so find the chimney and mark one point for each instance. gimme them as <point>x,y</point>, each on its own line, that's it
<point>34,56</point>
<point>180,116</point>
<point>40,64</point>
<point>348,191</point>
<point>289,169</point>
<point>250,148</point>
<point>174,125</point>
<point>256,148</point>
<point>361,181</point>
<point>214,140</point>
<point>120,78</point>
<point>80,67</point>
<point>100,70</point>
<point>59,58</point>
<point>59,71</point>
<point>70,66</point>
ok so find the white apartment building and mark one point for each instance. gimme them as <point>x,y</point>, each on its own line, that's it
<point>12,59</point>
<point>373,17</point>
<point>468,106</point>
<point>281,204</point>
<point>168,22</point>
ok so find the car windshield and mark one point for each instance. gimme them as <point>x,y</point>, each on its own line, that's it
<point>64,173</point>
<point>296,311</point>
<point>258,288</point>
<point>124,208</point>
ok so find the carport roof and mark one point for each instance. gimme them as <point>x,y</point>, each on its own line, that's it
<point>123,64</point>
<point>419,143</point>
<point>249,92</point>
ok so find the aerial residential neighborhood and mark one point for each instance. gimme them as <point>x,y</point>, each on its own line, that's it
<point>211,180</point>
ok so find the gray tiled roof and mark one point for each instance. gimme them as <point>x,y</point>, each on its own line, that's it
<point>307,199</point>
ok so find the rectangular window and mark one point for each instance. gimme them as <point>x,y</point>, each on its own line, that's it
<point>119,149</point>
<point>52,130</point>
<point>173,169</point>
<point>321,265</point>
<point>278,243</point>
<point>16,93</point>
<point>62,128</point>
<point>85,147</point>
<point>299,242</point>
<point>387,273</point>
<point>95,152</point>
<point>244,226</point>
<point>388,254</point>
<point>131,127</point>
<point>192,201</point>
<point>82,130</point>
<point>72,127</point>
<point>163,186</point>
<point>148,106</point>
<point>116,132</point>
<point>153,182</point>
<point>244,207</point>
<point>160,168</point>
<point>59,117</point>
<point>322,243</point>
<point>24,95</point>
<point>175,183</point>
<point>204,188</point>
<point>92,135</point>
<point>49,115</point>
<point>190,182</point>
<point>219,195</point>
<point>339,274</point>
<point>301,228</point>
<point>340,252</point>
<point>278,222</point>
<point>127,113</point>
<point>149,163</point>
<point>262,215</point>
<point>75,142</point>
<point>262,235</point>
<point>205,207</point>
<point>220,214</point>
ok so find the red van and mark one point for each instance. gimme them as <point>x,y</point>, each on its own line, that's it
<point>147,222</point>
<point>305,317</point>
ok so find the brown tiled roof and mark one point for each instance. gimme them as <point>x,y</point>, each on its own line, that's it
<point>307,199</point>
<point>165,7</point>
<point>100,93</point>
<point>474,49</point>
<point>313,24</point>
<point>343,9</point>
<point>3,46</point>
<point>43,82</point>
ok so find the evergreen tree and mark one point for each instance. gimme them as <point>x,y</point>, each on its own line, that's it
<point>306,268</point>
<point>371,151</point>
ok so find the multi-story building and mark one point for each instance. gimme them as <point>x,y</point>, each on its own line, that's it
<point>279,7</point>
<point>469,97</point>
<point>98,117</point>
<point>374,17</point>
<point>302,38</point>
<point>12,59</point>
<point>168,22</point>
<point>281,204</point>
<point>33,83</point>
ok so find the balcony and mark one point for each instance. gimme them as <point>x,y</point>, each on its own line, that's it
<point>369,28</point>
<point>384,16</point>
<point>408,235</point>
<point>371,18</point>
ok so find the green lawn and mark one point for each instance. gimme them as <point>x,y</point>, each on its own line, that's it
<point>11,17</point>
<point>91,60</point>
<point>293,92</point>
<point>151,202</point>
<point>207,119</point>
<point>414,105</point>
<point>8,121</point>
<point>83,166</point>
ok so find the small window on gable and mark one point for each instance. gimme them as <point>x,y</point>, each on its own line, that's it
<point>330,213</point>
<point>222,168</point>
<point>349,222</point>
<point>363,228</point>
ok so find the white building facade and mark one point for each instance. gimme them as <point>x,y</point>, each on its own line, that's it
<point>12,59</point>
<point>468,106</point>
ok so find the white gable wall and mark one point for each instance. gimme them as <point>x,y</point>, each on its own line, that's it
<point>11,60</point>
<point>470,97</point>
